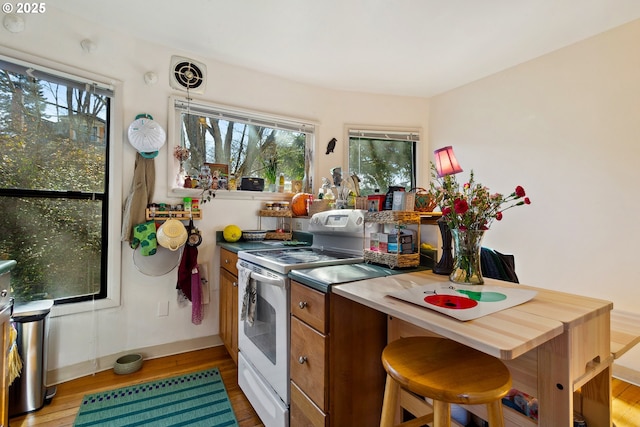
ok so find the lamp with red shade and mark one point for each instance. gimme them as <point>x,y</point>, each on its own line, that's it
<point>446,164</point>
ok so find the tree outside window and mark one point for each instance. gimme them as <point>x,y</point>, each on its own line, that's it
<point>382,159</point>
<point>251,144</point>
<point>53,186</point>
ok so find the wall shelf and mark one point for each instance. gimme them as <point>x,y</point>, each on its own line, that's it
<point>284,216</point>
<point>164,215</point>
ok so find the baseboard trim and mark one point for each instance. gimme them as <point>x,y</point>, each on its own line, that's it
<point>67,373</point>
<point>628,375</point>
<point>627,366</point>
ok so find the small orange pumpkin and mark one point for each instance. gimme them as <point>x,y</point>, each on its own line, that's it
<point>299,204</point>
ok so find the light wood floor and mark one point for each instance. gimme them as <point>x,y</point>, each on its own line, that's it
<point>62,410</point>
<point>65,405</point>
<point>626,404</point>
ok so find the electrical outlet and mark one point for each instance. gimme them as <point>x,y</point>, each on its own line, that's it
<point>297,225</point>
<point>163,308</point>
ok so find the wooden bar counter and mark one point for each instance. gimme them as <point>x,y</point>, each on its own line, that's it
<point>556,345</point>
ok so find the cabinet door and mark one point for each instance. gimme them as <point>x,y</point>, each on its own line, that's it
<point>5,317</point>
<point>308,364</point>
<point>309,306</point>
<point>229,312</point>
<point>228,261</point>
<point>303,412</point>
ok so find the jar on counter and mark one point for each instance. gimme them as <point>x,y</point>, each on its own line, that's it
<point>284,206</point>
<point>268,206</point>
<point>187,182</point>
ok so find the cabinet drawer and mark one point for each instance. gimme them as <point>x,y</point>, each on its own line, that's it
<point>309,305</point>
<point>303,412</point>
<point>228,261</point>
<point>308,364</point>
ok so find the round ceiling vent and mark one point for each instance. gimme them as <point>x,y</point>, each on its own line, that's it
<point>187,74</point>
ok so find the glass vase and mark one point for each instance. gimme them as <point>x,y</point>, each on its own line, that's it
<point>466,257</point>
<point>180,177</point>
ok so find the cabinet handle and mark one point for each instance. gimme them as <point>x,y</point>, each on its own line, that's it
<point>302,360</point>
<point>302,304</point>
<point>235,284</point>
<point>226,261</point>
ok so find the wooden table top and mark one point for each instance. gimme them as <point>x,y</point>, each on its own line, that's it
<point>506,334</point>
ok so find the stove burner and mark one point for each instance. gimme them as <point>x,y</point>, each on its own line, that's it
<point>285,259</point>
<point>294,258</point>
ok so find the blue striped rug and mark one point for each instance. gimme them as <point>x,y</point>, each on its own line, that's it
<point>196,399</point>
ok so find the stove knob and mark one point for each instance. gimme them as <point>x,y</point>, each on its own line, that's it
<point>302,304</point>
<point>359,220</point>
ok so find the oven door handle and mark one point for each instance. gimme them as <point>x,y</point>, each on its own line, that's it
<point>268,280</point>
<point>275,281</point>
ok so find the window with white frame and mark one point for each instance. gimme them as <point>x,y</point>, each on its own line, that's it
<point>246,143</point>
<point>383,158</point>
<point>54,186</point>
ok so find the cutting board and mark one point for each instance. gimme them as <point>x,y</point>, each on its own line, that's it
<point>464,302</point>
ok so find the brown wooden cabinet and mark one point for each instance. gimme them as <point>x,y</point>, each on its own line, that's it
<point>5,318</point>
<point>337,377</point>
<point>5,337</point>
<point>229,302</point>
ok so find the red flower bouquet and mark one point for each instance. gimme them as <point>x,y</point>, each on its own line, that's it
<point>471,206</point>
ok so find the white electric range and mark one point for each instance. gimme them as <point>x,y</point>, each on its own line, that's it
<point>263,343</point>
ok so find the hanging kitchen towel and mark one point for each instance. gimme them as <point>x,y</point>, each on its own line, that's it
<point>250,296</point>
<point>140,195</point>
<point>14,360</point>
<point>144,235</point>
<point>196,297</point>
<point>188,262</point>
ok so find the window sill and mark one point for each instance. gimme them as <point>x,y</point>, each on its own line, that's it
<point>82,307</point>
<point>230,195</point>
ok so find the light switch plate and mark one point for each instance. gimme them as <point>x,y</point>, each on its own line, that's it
<point>163,308</point>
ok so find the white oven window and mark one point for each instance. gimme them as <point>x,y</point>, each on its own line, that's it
<point>263,333</point>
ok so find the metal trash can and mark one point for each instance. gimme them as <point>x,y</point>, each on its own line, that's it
<point>29,392</point>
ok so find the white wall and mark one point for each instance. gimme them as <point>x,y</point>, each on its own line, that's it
<point>78,342</point>
<point>564,126</point>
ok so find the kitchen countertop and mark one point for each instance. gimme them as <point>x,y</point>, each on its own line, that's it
<point>323,278</point>
<point>554,344</point>
<point>243,245</point>
<point>318,278</point>
<point>7,266</point>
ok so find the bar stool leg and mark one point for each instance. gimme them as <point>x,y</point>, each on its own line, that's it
<point>495,413</point>
<point>389,403</point>
<point>442,414</point>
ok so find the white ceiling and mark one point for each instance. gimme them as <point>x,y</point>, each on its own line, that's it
<point>403,47</point>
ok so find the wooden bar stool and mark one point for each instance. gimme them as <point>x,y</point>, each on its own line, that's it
<point>447,372</point>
